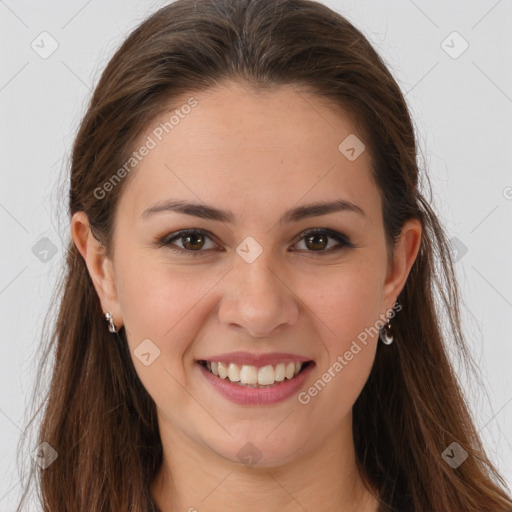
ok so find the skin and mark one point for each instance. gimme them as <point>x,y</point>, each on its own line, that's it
<point>257,154</point>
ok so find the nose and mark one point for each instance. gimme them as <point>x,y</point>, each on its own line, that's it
<point>258,299</point>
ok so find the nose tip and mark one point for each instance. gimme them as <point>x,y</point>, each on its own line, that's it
<point>257,334</point>
<point>260,302</point>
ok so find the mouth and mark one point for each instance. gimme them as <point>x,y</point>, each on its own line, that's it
<point>252,376</point>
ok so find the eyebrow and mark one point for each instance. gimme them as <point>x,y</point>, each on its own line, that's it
<point>211,213</point>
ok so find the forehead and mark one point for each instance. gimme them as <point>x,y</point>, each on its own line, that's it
<point>242,149</point>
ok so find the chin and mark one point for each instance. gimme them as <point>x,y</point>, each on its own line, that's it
<point>259,450</point>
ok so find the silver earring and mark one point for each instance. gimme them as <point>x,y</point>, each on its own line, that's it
<point>110,320</point>
<point>386,335</point>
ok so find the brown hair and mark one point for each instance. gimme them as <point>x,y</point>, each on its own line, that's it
<point>99,417</point>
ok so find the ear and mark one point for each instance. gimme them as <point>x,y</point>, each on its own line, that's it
<point>405,252</point>
<point>101,268</point>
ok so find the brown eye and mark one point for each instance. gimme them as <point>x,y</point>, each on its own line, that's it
<point>317,240</point>
<point>192,242</point>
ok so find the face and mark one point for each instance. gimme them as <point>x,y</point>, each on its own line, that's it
<point>254,290</point>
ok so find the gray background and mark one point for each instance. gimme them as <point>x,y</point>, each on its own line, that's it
<point>462,109</point>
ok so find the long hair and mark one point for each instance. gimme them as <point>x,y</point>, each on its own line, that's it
<point>97,415</point>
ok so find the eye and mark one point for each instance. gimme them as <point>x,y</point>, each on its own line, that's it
<point>193,240</point>
<point>318,240</point>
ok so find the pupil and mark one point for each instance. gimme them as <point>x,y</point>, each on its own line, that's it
<point>313,237</point>
<point>189,237</point>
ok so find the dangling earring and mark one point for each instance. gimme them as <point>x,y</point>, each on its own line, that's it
<point>110,320</point>
<point>386,335</point>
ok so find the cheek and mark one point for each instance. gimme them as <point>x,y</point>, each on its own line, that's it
<point>151,301</point>
<point>347,301</point>
<point>164,303</point>
<point>347,308</point>
<point>159,303</point>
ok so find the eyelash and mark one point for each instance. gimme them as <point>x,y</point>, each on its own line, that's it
<point>343,240</point>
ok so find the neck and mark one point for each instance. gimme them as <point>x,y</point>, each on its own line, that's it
<point>196,479</point>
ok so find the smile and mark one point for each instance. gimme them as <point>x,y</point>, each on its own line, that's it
<point>252,376</point>
<point>247,384</point>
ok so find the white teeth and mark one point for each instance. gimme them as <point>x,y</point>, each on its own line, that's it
<point>253,376</point>
<point>223,371</point>
<point>280,372</point>
<point>233,372</point>
<point>249,375</point>
<point>266,375</point>
<point>290,370</point>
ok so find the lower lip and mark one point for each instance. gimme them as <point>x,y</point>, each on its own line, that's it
<point>257,396</point>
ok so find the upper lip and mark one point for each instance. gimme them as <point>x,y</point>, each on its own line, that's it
<point>246,358</point>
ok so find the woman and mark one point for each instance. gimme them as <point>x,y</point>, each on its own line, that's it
<point>249,316</point>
